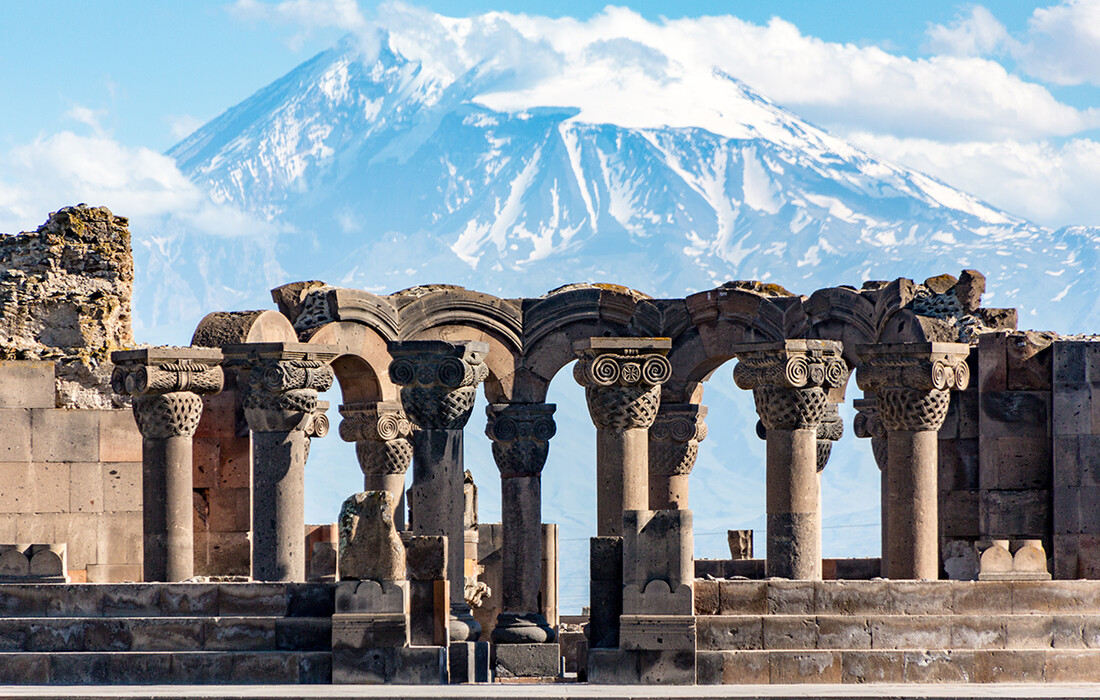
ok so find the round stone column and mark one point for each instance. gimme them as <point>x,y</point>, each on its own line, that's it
<point>912,384</point>
<point>280,383</point>
<point>165,383</point>
<point>867,424</point>
<point>381,433</point>
<point>674,441</point>
<point>789,380</point>
<point>622,380</point>
<point>521,435</point>
<point>438,381</point>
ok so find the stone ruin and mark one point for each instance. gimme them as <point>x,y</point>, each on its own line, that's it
<point>198,567</point>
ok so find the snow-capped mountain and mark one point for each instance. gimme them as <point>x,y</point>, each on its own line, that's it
<point>394,163</point>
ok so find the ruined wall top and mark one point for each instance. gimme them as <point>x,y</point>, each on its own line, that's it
<point>65,292</point>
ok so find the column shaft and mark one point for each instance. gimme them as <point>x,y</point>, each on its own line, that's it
<point>793,504</point>
<point>169,541</point>
<point>622,474</point>
<point>278,505</point>
<point>912,510</point>
<point>395,484</point>
<point>521,551</point>
<point>436,499</point>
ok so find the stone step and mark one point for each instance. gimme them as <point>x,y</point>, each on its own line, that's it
<point>95,634</point>
<point>175,667</point>
<point>898,666</point>
<point>167,599</point>
<point>881,597</point>
<point>851,632</point>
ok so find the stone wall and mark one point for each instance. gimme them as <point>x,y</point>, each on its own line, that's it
<point>69,476</point>
<point>65,296</point>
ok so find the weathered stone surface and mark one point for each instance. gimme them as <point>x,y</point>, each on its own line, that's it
<point>66,289</point>
<point>370,548</point>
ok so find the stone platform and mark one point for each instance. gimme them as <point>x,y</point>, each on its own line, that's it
<point>778,632</point>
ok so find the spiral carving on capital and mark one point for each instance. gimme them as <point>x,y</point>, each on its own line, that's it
<point>829,430</point>
<point>610,369</point>
<point>674,439</point>
<point>902,408</point>
<point>521,437</point>
<point>380,431</point>
<point>174,414</point>
<point>822,368</point>
<point>438,389</point>
<point>913,372</point>
<point>141,379</point>
<point>868,424</point>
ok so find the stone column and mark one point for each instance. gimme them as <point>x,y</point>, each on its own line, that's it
<point>438,381</point>
<point>280,383</point>
<point>673,446</point>
<point>868,425</point>
<point>166,383</point>
<point>381,433</point>
<point>521,435</point>
<point>912,384</point>
<point>622,380</point>
<point>789,380</point>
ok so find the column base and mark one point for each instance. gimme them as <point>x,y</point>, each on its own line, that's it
<point>461,626</point>
<point>622,667</point>
<point>522,628</point>
<point>526,661</point>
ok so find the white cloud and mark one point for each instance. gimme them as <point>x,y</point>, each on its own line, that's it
<point>1063,43</point>
<point>183,125</point>
<point>667,67</point>
<point>1047,183</point>
<point>67,168</point>
<point>307,15</point>
<point>978,34</point>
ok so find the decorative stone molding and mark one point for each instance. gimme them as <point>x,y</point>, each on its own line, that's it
<point>829,430</point>
<point>912,382</point>
<point>674,438</point>
<point>280,383</point>
<point>622,379</point>
<point>867,424</point>
<point>380,431</point>
<point>438,380</point>
<point>521,435</point>
<point>165,383</point>
<point>789,380</point>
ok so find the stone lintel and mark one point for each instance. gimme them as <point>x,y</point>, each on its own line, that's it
<point>794,345</point>
<point>472,351</point>
<point>951,352</point>
<point>599,345</point>
<point>238,353</point>
<point>166,354</point>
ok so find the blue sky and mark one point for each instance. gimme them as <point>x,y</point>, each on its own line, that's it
<point>1001,101</point>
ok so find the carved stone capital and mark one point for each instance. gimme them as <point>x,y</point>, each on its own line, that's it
<point>868,424</point>
<point>280,382</point>
<point>674,438</point>
<point>921,366</point>
<point>380,431</point>
<point>438,380</point>
<point>622,379</point>
<point>829,430</point>
<point>521,435</point>
<point>789,409</point>
<point>165,383</point>
<point>175,414</point>
<point>790,364</point>
<point>912,382</point>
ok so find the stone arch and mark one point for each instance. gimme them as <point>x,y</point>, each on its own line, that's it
<point>844,314</point>
<point>362,365</point>
<point>553,322</point>
<point>220,328</point>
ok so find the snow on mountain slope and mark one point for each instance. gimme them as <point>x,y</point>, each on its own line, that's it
<point>438,160</point>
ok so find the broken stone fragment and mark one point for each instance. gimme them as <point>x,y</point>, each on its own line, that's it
<point>370,548</point>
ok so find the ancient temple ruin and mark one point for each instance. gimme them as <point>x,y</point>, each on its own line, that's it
<point>197,566</point>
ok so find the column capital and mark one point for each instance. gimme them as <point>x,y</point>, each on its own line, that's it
<point>912,382</point>
<point>674,438</point>
<point>867,424</point>
<point>165,383</point>
<point>280,382</point>
<point>521,435</point>
<point>789,379</point>
<point>380,431</point>
<point>622,378</point>
<point>438,380</point>
<point>829,430</point>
